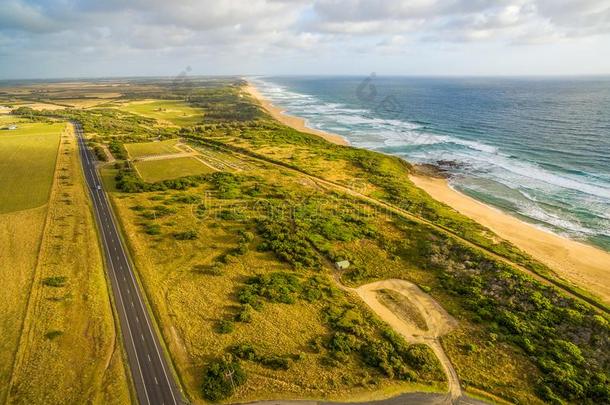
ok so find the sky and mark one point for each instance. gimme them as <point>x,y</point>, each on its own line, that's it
<point>103,38</point>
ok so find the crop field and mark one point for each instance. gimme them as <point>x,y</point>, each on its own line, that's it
<point>6,119</point>
<point>67,350</point>
<point>140,149</point>
<point>166,169</point>
<point>166,111</point>
<point>27,163</point>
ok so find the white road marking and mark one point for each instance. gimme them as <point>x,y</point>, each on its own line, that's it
<point>102,208</point>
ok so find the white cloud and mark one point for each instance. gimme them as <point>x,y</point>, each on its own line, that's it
<point>246,30</point>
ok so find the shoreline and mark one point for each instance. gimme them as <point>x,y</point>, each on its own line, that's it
<point>297,123</point>
<point>586,266</point>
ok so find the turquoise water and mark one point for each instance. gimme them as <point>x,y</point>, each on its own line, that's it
<point>536,148</point>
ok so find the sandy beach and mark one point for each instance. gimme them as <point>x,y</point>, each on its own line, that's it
<point>583,265</point>
<point>291,121</point>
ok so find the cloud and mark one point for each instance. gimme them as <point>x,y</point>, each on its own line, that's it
<point>22,16</point>
<point>143,30</point>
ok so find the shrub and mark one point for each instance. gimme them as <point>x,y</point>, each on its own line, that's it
<point>420,357</point>
<point>244,314</point>
<point>275,362</point>
<point>226,184</point>
<point>152,229</point>
<point>244,352</point>
<point>100,154</point>
<point>117,149</point>
<point>186,235</point>
<point>275,287</point>
<point>225,326</point>
<point>221,377</point>
<point>343,343</point>
<point>214,269</point>
<point>55,281</point>
<point>187,199</point>
<point>53,334</point>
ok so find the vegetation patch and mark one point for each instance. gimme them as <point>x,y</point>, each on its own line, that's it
<point>141,149</point>
<point>27,164</point>
<point>221,378</point>
<point>55,281</point>
<point>166,169</point>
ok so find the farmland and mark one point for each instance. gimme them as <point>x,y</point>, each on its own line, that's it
<point>166,111</point>
<point>69,296</point>
<point>27,163</point>
<point>165,169</point>
<point>24,191</point>
<point>56,305</point>
<point>140,149</point>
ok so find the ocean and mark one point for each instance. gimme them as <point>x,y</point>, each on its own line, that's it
<point>537,148</point>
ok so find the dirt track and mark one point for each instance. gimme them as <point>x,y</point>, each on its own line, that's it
<point>438,321</point>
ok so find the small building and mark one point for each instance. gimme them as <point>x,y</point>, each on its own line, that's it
<point>342,265</point>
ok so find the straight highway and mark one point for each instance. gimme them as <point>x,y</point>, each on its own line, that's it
<point>153,381</point>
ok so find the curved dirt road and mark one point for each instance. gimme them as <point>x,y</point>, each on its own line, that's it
<point>438,321</point>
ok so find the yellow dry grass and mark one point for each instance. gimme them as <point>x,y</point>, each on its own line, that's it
<point>69,351</point>
<point>20,234</point>
<point>188,304</point>
<point>497,368</point>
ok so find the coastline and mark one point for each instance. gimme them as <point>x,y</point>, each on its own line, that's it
<point>584,265</point>
<point>290,120</point>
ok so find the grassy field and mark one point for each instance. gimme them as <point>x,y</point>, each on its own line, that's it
<point>20,234</point>
<point>165,169</point>
<point>27,163</point>
<point>238,266</point>
<point>6,119</point>
<point>166,111</point>
<point>140,149</point>
<point>193,284</point>
<point>69,351</point>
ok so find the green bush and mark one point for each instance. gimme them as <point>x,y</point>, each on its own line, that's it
<point>214,269</point>
<point>152,229</point>
<point>275,363</point>
<point>55,281</point>
<point>100,153</point>
<point>225,326</point>
<point>244,314</point>
<point>220,379</point>
<point>53,334</point>
<point>275,287</point>
<point>248,352</point>
<point>186,235</point>
<point>244,352</point>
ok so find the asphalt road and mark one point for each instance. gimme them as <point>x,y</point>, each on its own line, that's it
<point>154,383</point>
